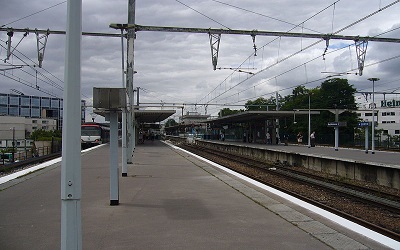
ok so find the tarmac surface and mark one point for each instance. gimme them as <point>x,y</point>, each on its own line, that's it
<point>169,200</point>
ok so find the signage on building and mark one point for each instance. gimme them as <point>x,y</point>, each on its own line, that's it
<point>390,104</point>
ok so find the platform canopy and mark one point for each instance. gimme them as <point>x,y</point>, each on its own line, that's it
<point>152,116</point>
<point>251,116</point>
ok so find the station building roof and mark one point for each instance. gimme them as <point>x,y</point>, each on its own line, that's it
<point>152,116</point>
<point>251,116</point>
<point>143,116</point>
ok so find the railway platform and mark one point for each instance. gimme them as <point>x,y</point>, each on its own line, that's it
<point>169,200</point>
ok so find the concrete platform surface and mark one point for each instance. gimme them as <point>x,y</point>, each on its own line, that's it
<point>169,200</point>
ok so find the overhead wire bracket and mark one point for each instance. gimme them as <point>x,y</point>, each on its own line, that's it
<point>10,34</point>
<point>254,43</point>
<point>326,48</point>
<point>361,50</point>
<point>214,44</point>
<point>41,41</point>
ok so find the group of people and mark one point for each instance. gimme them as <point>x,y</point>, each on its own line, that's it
<point>312,138</point>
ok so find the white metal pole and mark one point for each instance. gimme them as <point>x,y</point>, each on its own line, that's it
<point>124,148</point>
<point>373,114</point>
<point>71,228</point>
<point>114,185</point>
<point>129,77</point>
<point>366,139</point>
<point>336,130</point>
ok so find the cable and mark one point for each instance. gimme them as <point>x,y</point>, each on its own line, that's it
<point>346,27</point>
<point>319,12</point>
<point>203,14</point>
<point>33,14</point>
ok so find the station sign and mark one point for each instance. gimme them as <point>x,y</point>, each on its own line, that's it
<point>363,124</point>
<point>337,124</point>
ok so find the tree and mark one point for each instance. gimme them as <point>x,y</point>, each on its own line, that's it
<point>43,135</point>
<point>170,122</point>
<point>261,104</point>
<point>228,111</point>
<point>332,94</point>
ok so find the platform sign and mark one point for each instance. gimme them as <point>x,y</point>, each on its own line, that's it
<point>363,124</point>
<point>337,124</point>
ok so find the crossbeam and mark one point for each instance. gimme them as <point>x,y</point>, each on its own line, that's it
<point>217,31</point>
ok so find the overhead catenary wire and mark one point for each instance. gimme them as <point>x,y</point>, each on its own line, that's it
<point>340,30</point>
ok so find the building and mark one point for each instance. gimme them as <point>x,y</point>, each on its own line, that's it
<point>35,107</point>
<point>387,116</point>
<point>18,129</point>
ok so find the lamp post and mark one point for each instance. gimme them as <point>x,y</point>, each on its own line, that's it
<point>13,142</point>
<point>373,114</point>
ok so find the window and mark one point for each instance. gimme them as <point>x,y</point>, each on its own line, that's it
<point>14,100</point>
<point>44,127</point>
<point>25,112</point>
<point>13,111</point>
<point>44,122</point>
<point>383,113</point>
<point>45,103</point>
<point>35,102</point>
<point>3,110</point>
<point>397,131</point>
<point>392,113</point>
<point>25,101</point>
<point>55,103</point>
<point>35,112</point>
<point>385,132</point>
<point>3,99</point>
<point>368,114</point>
<point>34,127</point>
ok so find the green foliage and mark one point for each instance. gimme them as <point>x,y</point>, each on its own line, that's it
<point>332,94</point>
<point>261,104</point>
<point>43,135</point>
<point>170,122</point>
<point>228,111</point>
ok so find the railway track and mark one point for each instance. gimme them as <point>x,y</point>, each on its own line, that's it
<point>375,209</point>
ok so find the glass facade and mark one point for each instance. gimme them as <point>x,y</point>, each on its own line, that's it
<point>34,107</point>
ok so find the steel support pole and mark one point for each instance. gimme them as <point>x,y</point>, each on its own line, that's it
<point>114,185</point>
<point>336,130</point>
<point>71,225</point>
<point>124,147</point>
<point>129,77</point>
<point>373,114</point>
<point>366,139</point>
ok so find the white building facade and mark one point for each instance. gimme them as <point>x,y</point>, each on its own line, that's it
<point>387,116</point>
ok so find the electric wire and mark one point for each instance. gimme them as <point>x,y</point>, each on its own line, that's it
<point>202,14</point>
<point>313,44</point>
<point>316,14</point>
<point>33,14</point>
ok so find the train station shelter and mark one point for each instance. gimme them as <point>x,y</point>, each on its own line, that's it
<point>252,125</point>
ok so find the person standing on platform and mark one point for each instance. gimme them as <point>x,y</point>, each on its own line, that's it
<point>268,138</point>
<point>312,139</point>
<point>299,138</point>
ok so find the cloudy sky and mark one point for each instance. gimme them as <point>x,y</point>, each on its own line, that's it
<point>177,68</point>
